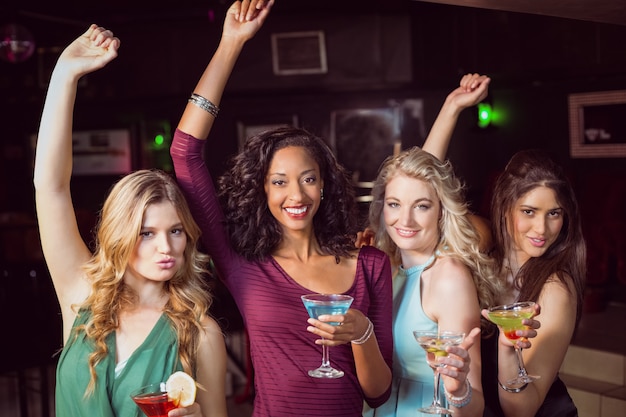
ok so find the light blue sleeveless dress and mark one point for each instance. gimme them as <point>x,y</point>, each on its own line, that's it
<point>412,385</point>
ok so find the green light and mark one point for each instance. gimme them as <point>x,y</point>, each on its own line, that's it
<point>484,114</point>
<point>158,140</point>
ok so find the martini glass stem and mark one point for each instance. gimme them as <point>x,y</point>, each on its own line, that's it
<point>520,362</point>
<point>325,357</point>
<point>436,403</point>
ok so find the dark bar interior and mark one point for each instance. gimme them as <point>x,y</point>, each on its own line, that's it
<point>558,83</point>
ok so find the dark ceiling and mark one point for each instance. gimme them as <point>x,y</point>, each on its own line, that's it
<point>601,11</point>
<point>124,11</point>
<point>54,22</point>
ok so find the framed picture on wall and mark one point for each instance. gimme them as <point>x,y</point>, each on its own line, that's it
<point>597,124</point>
<point>253,125</point>
<point>101,152</point>
<point>363,138</point>
<point>98,152</point>
<point>299,53</point>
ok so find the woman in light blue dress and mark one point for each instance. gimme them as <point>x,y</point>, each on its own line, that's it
<point>420,219</point>
<point>413,378</point>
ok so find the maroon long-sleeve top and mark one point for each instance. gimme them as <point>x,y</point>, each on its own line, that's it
<point>282,350</point>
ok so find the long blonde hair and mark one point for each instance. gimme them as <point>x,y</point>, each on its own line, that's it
<point>118,232</point>
<point>458,236</point>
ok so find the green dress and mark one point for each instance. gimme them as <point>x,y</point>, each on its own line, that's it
<point>153,361</point>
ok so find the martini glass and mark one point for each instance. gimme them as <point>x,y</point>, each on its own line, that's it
<point>331,304</point>
<point>153,400</point>
<point>435,344</point>
<point>509,318</point>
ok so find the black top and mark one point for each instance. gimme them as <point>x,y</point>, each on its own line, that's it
<point>558,403</point>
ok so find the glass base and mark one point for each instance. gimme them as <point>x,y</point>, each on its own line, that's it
<point>326,372</point>
<point>435,410</point>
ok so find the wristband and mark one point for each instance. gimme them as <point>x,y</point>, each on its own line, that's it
<point>462,401</point>
<point>204,104</point>
<point>366,335</point>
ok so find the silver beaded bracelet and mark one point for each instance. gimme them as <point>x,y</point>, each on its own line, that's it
<point>366,335</point>
<point>204,104</point>
<point>462,401</point>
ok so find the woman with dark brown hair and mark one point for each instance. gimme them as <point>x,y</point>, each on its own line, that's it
<point>541,255</point>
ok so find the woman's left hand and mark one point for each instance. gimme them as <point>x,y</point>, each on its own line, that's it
<point>351,326</point>
<point>457,364</point>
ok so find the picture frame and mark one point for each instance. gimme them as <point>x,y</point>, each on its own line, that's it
<point>253,125</point>
<point>299,53</point>
<point>101,152</point>
<point>363,138</point>
<point>596,124</point>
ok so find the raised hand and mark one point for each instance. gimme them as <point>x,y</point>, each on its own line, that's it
<point>245,18</point>
<point>91,51</point>
<point>472,89</point>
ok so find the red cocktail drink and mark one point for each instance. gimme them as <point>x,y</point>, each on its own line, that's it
<point>153,400</point>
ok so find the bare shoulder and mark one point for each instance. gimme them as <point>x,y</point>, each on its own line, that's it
<point>210,325</point>
<point>566,283</point>
<point>557,291</point>
<point>449,294</point>
<point>450,276</point>
<point>450,268</point>
<point>212,332</point>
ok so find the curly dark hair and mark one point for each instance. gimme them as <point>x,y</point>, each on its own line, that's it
<point>566,257</point>
<point>253,230</point>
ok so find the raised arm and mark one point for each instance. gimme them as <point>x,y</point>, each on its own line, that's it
<point>472,89</point>
<point>242,22</point>
<point>63,247</point>
<point>187,147</point>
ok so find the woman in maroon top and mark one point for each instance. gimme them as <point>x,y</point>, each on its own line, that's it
<point>284,227</point>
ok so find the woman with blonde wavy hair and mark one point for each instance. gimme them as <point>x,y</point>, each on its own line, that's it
<point>442,280</point>
<point>135,310</point>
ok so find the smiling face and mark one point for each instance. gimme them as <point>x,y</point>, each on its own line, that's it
<point>293,187</point>
<point>159,252</point>
<point>537,220</point>
<point>411,214</point>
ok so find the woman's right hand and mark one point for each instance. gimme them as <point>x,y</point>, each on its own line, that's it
<point>524,335</point>
<point>457,363</point>
<point>244,18</point>
<point>364,238</point>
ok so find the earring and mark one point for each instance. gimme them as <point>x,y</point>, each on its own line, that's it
<point>321,193</point>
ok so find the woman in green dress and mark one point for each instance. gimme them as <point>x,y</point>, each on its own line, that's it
<point>135,310</point>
